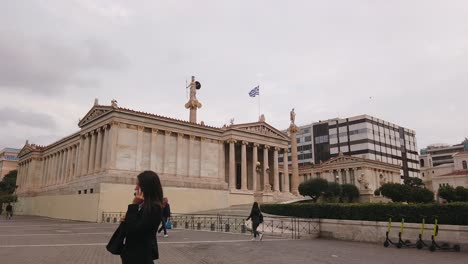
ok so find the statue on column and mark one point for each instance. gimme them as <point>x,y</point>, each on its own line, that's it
<point>193,104</point>
<point>293,117</point>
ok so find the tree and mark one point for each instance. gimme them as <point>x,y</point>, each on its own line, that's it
<point>349,193</point>
<point>461,194</point>
<point>447,192</point>
<point>396,192</point>
<point>8,183</point>
<point>413,182</point>
<point>333,192</point>
<point>421,195</point>
<point>313,188</point>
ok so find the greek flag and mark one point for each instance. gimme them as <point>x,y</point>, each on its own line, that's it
<point>255,91</point>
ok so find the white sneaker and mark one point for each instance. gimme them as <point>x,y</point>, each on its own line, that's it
<point>253,239</point>
<point>166,236</point>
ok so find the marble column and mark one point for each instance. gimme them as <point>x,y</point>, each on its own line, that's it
<point>60,167</point>
<point>112,147</point>
<point>276,186</point>
<point>266,170</point>
<point>180,154</point>
<point>77,160</point>
<point>232,164</point>
<point>92,153</point>
<point>285,171</point>
<point>293,129</point>
<point>98,159</point>
<point>105,146</point>
<point>244,165</point>
<point>65,165</point>
<point>84,156</point>
<point>167,135</point>
<point>139,148</point>
<point>254,167</point>
<point>154,138</point>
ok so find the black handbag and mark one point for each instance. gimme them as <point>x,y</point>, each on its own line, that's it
<point>116,243</point>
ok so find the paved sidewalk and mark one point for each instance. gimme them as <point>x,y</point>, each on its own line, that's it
<point>35,240</point>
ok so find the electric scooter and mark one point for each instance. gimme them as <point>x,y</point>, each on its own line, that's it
<point>401,243</point>
<point>434,246</point>
<point>420,243</point>
<point>388,241</point>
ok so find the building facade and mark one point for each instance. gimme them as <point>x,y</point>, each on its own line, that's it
<point>443,153</point>
<point>453,174</point>
<point>367,175</point>
<point>201,167</point>
<point>8,161</point>
<point>365,137</point>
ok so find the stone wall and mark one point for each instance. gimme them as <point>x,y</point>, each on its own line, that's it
<point>367,231</point>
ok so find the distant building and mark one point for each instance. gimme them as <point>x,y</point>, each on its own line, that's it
<point>8,161</point>
<point>361,136</point>
<point>443,153</point>
<point>453,174</point>
<point>367,175</point>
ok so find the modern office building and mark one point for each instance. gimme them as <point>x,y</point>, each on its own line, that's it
<point>361,136</point>
<point>443,153</point>
<point>8,161</point>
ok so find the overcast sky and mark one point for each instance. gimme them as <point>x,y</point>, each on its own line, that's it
<point>402,61</point>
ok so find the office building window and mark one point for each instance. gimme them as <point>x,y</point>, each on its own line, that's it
<point>321,139</point>
<point>308,138</point>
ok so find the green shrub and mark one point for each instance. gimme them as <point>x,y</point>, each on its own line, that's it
<point>421,195</point>
<point>447,192</point>
<point>313,188</point>
<point>461,194</point>
<point>333,192</point>
<point>349,193</point>
<point>449,214</point>
<point>396,192</point>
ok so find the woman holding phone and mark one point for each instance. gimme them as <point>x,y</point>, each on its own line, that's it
<point>142,220</point>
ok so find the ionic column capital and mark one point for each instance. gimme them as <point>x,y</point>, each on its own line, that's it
<point>167,132</point>
<point>245,142</point>
<point>229,141</point>
<point>266,147</point>
<point>256,145</point>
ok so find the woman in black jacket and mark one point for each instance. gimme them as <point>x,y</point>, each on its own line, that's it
<point>142,220</point>
<point>257,218</point>
<point>166,214</point>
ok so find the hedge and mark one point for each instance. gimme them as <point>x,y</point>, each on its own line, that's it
<point>449,214</point>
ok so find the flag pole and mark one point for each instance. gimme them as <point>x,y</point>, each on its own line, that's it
<point>259,102</point>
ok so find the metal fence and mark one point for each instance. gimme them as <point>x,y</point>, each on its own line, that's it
<point>295,228</point>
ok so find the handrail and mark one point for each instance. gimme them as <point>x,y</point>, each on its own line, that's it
<point>292,227</point>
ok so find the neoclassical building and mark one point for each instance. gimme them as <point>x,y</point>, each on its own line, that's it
<point>366,174</point>
<point>201,167</point>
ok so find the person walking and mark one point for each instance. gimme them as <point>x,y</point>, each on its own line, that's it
<point>257,219</point>
<point>9,211</point>
<point>166,214</point>
<point>142,220</point>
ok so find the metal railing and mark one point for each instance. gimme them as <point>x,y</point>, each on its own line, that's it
<point>294,228</point>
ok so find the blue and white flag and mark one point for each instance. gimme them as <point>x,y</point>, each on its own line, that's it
<point>255,91</point>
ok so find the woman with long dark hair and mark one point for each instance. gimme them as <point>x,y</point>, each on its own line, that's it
<point>142,220</point>
<point>257,219</point>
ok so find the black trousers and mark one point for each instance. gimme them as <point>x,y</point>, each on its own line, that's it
<point>254,228</point>
<point>163,227</point>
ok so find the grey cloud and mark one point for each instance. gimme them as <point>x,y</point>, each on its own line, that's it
<point>46,65</point>
<point>26,118</point>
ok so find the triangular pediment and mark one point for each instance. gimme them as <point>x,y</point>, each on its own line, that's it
<point>25,150</point>
<point>340,159</point>
<point>261,128</point>
<point>93,114</point>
